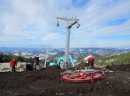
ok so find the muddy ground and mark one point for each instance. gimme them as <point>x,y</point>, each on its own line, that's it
<point>47,82</point>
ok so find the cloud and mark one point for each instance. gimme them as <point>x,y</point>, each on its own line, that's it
<point>52,36</point>
<point>98,17</point>
<point>35,20</point>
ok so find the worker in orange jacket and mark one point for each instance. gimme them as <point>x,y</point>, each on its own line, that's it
<point>13,64</point>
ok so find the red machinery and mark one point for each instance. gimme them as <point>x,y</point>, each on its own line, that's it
<point>89,75</point>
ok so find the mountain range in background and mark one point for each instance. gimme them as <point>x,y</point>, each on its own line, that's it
<point>54,53</point>
<point>51,51</point>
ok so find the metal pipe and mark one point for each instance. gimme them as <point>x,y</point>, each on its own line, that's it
<point>47,47</point>
<point>67,45</point>
<point>45,59</point>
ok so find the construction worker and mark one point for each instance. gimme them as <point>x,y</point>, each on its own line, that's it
<point>89,61</point>
<point>34,65</point>
<point>13,64</point>
<point>36,62</point>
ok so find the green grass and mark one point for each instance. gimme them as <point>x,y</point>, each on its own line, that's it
<point>116,59</point>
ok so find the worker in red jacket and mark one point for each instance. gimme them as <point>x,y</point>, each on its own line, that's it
<point>13,64</point>
<point>91,61</point>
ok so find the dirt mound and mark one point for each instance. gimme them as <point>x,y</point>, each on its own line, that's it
<point>125,67</point>
<point>82,65</point>
<point>47,82</point>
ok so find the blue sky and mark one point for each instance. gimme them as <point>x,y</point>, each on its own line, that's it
<point>32,23</point>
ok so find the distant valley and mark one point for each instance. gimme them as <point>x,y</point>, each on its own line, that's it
<point>52,51</point>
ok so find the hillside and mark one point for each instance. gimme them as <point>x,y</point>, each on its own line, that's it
<point>77,57</point>
<point>113,59</point>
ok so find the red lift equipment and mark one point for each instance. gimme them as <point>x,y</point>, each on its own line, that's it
<point>88,75</point>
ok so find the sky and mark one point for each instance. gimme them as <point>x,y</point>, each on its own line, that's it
<point>32,23</point>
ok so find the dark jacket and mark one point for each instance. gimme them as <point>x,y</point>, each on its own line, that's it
<point>37,60</point>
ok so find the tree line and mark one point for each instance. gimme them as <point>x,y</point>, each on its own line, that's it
<point>113,59</point>
<point>8,58</point>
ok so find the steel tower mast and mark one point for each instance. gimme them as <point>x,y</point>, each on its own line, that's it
<point>70,23</point>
